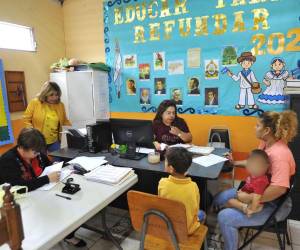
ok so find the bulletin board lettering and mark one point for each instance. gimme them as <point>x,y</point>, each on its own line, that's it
<point>227,57</point>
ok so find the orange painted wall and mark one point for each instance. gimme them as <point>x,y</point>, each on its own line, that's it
<point>241,128</point>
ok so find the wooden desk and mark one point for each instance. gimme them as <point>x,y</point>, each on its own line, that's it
<point>47,218</point>
<point>150,174</point>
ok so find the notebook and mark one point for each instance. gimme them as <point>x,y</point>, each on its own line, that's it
<point>201,150</point>
<point>88,163</point>
<point>109,174</point>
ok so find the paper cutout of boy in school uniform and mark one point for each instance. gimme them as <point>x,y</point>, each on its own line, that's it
<point>246,78</point>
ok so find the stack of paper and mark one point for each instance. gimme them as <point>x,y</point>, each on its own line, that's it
<point>88,163</point>
<point>201,150</point>
<point>109,174</point>
<point>180,145</point>
<point>209,160</point>
<point>144,150</point>
<point>292,87</point>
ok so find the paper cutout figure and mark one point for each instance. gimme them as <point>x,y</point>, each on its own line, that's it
<point>275,80</point>
<point>247,80</point>
<point>117,69</point>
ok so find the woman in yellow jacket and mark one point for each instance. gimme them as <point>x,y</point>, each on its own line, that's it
<point>47,114</point>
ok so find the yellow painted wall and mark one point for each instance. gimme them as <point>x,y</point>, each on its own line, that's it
<point>46,17</point>
<point>83,20</point>
<point>83,27</point>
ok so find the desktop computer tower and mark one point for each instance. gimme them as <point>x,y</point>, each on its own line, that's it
<point>99,137</point>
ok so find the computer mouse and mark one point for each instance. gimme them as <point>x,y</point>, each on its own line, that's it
<point>79,169</point>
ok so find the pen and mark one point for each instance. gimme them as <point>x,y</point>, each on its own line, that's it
<point>62,196</point>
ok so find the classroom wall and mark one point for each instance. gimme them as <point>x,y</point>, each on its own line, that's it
<point>84,40</point>
<point>46,17</point>
<point>83,23</point>
<point>242,129</point>
<point>83,27</point>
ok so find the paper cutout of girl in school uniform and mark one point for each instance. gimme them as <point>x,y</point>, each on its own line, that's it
<point>246,78</point>
<point>275,80</point>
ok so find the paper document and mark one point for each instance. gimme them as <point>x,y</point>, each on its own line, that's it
<point>89,163</point>
<point>163,146</point>
<point>209,160</point>
<point>82,131</point>
<point>201,150</point>
<point>144,150</point>
<point>180,145</point>
<point>63,174</point>
<point>109,174</point>
<point>53,168</point>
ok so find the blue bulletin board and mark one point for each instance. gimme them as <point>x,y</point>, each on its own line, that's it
<point>6,135</point>
<point>206,55</point>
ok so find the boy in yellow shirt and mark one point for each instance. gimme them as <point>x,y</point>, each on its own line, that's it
<point>180,188</point>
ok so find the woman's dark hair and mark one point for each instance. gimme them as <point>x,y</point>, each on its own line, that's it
<point>283,125</point>
<point>31,138</point>
<point>163,106</point>
<point>179,158</point>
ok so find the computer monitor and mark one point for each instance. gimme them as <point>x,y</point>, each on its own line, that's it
<point>132,133</point>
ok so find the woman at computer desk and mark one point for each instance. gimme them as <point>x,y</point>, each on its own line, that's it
<point>168,128</point>
<point>23,165</point>
<point>47,114</point>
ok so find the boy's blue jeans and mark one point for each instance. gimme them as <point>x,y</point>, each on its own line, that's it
<point>231,219</point>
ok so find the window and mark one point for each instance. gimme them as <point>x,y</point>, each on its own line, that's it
<point>18,37</point>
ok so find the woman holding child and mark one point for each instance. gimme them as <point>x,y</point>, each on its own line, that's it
<point>168,127</point>
<point>274,130</point>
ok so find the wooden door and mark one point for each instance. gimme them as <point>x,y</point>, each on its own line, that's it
<point>16,91</point>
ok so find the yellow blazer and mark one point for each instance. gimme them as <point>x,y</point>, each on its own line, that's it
<point>35,114</point>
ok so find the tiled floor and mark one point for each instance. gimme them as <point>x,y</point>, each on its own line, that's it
<point>115,217</point>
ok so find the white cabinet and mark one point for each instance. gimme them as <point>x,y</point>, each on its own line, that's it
<point>85,95</point>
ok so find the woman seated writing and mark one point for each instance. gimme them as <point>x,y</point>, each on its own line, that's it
<point>168,128</point>
<point>23,164</point>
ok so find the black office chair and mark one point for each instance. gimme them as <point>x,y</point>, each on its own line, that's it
<point>272,224</point>
<point>219,137</point>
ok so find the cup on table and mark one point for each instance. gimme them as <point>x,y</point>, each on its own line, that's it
<point>154,157</point>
